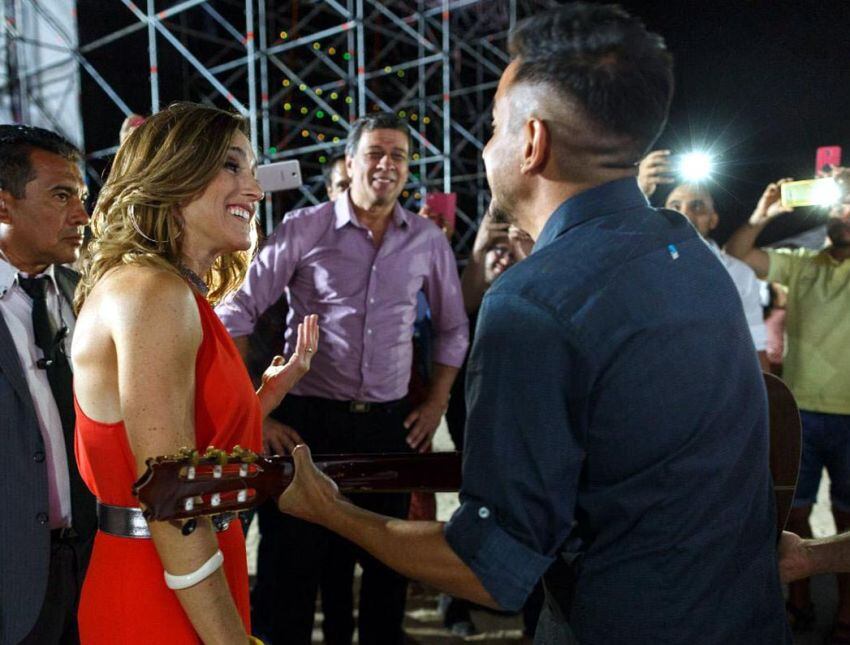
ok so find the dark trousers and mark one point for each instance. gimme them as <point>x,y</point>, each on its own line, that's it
<point>57,620</point>
<point>294,556</point>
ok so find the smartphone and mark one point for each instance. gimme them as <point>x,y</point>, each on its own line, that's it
<point>283,175</point>
<point>826,158</point>
<point>445,205</point>
<point>810,192</point>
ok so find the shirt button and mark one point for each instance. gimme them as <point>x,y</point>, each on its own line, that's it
<point>42,518</point>
<point>369,331</point>
<point>38,456</point>
<point>483,512</point>
<point>374,268</point>
<point>371,301</point>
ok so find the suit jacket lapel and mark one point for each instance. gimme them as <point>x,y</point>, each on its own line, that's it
<point>66,280</point>
<point>10,365</point>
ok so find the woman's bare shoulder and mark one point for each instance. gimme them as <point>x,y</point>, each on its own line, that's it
<point>153,298</point>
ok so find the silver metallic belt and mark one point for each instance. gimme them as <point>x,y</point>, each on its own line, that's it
<point>129,522</point>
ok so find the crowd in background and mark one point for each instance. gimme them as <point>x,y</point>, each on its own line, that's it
<point>398,312</point>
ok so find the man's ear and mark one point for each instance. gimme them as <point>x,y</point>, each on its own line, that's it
<point>538,142</point>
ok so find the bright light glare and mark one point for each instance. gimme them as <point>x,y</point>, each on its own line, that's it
<point>696,166</point>
<point>826,192</point>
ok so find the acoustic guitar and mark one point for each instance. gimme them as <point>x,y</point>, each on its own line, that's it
<point>191,484</point>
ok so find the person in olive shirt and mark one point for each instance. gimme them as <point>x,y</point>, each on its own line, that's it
<point>815,368</point>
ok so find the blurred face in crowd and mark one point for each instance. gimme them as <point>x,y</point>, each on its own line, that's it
<point>696,204</point>
<point>499,257</point>
<point>838,225</point>
<point>378,168</point>
<point>45,226</point>
<point>339,180</point>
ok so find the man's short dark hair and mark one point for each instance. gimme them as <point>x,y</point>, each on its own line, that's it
<point>619,73</point>
<point>328,168</point>
<point>371,122</point>
<point>16,144</point>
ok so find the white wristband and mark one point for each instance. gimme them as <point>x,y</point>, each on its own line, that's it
<point>201,573</point>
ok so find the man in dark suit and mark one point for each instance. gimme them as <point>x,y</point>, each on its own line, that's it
<point>48,516</point>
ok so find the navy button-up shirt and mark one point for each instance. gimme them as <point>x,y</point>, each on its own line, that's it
<point>616,408</point>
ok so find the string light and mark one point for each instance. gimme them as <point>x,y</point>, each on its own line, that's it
<point>321,137</point>
<point>319,91</point>
<point>414,117</point>
<point>334,96</point>
<point>415,156</point>
<point>286,82</point>
<point>272,150</point>
<point>402,114</point>
<point>302,87</point>
<point>332,50</point>
<point>305,133</point>
<point>405,193</point>
<point>336,139</point>
<point>317,46</point>
<point>284,35</point>
<point>304,110</point>
<point>323,159</point>
<point>287,106</point>
<point>400,73</point>
<point>335,118</point>
<point>320,114</point>
<point>349,100</point>
<point>426,120</point>
<point>346,56</point>
<point>388,69</point>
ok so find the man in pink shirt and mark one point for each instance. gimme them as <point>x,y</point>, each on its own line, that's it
<point>359,263</point>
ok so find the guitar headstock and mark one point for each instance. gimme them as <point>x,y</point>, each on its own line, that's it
<point>191,484</point>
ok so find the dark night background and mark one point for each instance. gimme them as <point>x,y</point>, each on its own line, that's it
<point>760,83</point>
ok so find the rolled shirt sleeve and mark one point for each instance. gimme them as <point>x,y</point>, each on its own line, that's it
<point>522,458</point>
<point>445,300</point>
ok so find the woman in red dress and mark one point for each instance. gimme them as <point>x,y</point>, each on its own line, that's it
<point>156,371</point>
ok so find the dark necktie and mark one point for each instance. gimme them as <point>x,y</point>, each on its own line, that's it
<point>49,334</point>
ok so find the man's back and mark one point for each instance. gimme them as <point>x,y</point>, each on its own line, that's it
<point>663,461</point>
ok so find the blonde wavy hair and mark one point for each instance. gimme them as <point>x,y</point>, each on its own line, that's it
<point>166,163</point>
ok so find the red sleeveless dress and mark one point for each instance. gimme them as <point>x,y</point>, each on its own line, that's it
<point>124,598</point>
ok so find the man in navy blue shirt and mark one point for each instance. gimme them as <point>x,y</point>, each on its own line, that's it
<point>617,441</point>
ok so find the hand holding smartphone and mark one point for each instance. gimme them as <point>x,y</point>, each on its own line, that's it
<point>444,206</point>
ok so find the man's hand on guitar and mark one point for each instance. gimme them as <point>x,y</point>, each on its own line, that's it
<point>311,495</point>
<point>279,438</point>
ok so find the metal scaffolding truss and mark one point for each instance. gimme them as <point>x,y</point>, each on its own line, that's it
<point>300,71</point>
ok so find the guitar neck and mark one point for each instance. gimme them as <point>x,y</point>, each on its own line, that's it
<point>370,473</point>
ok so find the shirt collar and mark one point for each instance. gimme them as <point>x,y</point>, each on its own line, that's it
<point>9,276</point>
<point>618,195</point>
<point>344,213</point>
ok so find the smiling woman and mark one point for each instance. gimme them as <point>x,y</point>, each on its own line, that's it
<point>155,371</point>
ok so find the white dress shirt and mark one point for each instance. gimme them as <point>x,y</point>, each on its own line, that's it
<point>749,288</point>
<point>16,309</point>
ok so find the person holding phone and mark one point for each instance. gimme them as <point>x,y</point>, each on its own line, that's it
<point>359,262</point>
<point>818,333</point>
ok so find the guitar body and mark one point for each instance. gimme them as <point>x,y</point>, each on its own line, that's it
<point>785,445</point>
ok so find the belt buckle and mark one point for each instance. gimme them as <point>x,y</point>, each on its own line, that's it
<point>359,407</point>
